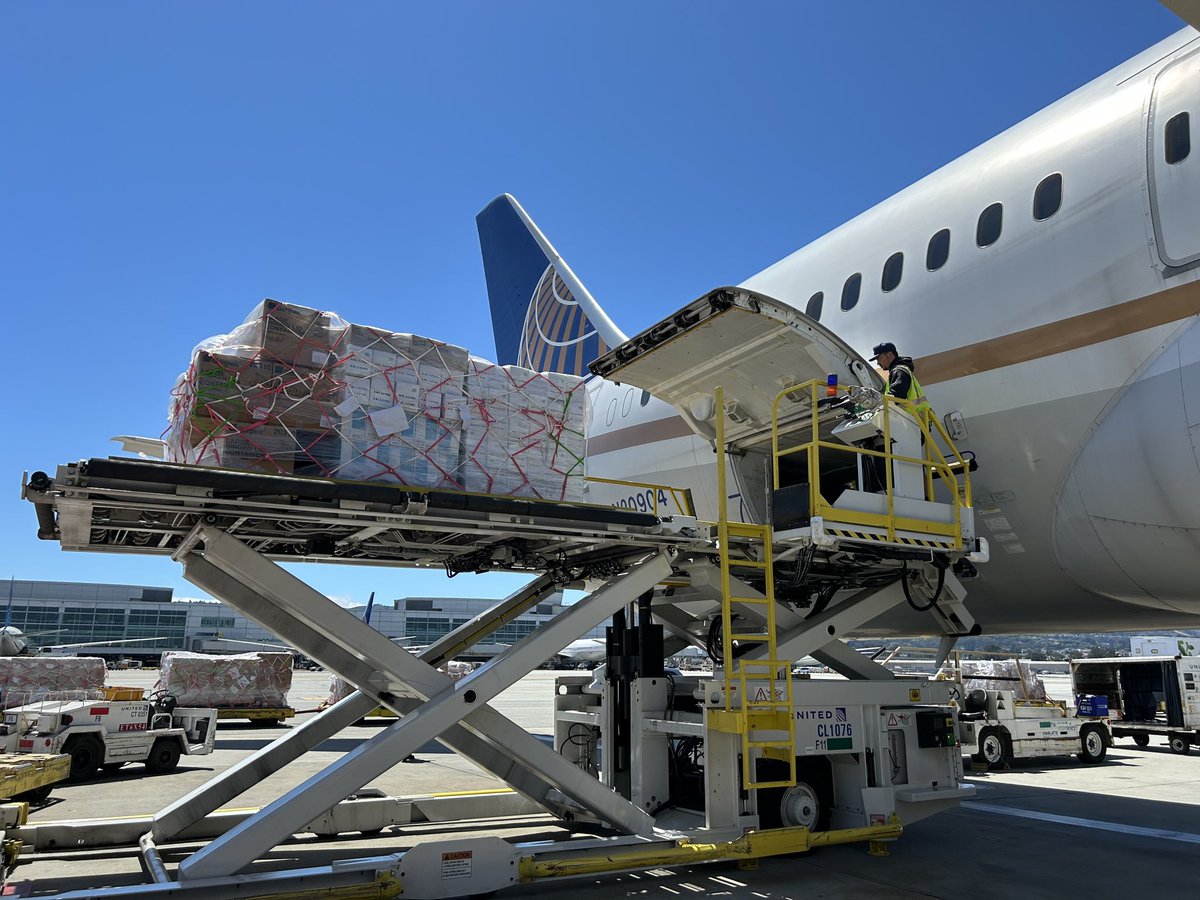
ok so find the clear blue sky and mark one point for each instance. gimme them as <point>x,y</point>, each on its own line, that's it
<point>165,166</point>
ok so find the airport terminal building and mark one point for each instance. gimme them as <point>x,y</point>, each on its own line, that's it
<point>60,612</point>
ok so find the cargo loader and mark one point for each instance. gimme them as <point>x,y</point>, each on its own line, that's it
<point>657,768</point>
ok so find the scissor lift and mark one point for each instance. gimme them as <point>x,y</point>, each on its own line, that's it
<point>673,574</point>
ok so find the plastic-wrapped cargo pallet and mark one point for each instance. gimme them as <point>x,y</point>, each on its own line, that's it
<point>1003,675</point>
<point>28,679</point>
<point>297,391</point>
<point>235,681</point>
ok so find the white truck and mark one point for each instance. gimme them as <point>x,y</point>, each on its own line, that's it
<point>1146,697</point>
<point>106,734</point>
<point>996,726</point>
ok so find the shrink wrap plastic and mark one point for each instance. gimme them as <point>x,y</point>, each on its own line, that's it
<point>28,679</point>
<point>1002,675</point>
<point>296,391</point>
<point>241,680</point>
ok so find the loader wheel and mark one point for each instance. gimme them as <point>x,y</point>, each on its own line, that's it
<point>1179,743</point>
<point>1094,742</point>
<point>86,755</point>
<point>164,756</point>
<point>1141,740</point>
<point>992,749</point>
<point>809,803</point>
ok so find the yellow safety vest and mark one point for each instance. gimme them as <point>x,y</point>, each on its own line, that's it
<point>916,394</point>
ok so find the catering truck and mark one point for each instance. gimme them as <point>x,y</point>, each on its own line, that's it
<point>1146,696</point>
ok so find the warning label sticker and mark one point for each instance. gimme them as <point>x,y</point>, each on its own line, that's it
<point>457,864</point>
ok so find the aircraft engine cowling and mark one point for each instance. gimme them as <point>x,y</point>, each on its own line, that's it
<point>1127,522</point>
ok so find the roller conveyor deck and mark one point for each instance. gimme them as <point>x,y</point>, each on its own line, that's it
<point>137,506</point>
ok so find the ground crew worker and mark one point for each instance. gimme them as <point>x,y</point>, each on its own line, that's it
<point>902,382</point>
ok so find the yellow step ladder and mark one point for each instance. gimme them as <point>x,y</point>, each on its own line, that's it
<point>764,685</point>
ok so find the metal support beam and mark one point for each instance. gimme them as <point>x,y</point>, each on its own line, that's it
<point>330,634</point>
<point>845,660</point>
<point>503,763</point>
<point>816,632</point>
<point>187,810</point>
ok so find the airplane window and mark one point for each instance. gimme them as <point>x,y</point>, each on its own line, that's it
<point>645,398</point>
<point>1047,198</point>
<point>612,412</point>
<point>815,302</point>
<point>939,250</point>
<point>987,232</point>
<point>893,269</point>
<point>850,291</point>
<point>1178,138</point>
<point>627,403</point>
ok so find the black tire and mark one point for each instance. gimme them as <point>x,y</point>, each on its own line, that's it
<point>86,754</point>
<point>1094,743</point>
<point>37,795</point>
<point>1141,739</point>
<point>809,803</point>
<point>164,756</point>
<point>993,748</point>
<point>1179,743</point>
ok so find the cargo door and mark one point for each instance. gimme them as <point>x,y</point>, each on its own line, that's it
<point>745,342</point>
<point>1174,161</point>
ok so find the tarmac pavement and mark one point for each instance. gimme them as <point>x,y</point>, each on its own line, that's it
<point>1048,828</point>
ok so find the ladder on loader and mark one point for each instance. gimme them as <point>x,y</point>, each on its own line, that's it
<point>764,684</point>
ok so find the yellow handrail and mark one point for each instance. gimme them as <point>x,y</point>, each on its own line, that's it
<point>933,462</point>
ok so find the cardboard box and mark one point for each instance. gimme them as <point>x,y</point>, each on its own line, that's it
<point>290,334</point>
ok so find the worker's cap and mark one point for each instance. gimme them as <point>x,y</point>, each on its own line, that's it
<point>885,347</point>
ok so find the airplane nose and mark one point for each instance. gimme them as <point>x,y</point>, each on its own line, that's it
<point>1127,523</point>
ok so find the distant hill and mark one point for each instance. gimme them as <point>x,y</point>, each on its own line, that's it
<point>1044,646</point>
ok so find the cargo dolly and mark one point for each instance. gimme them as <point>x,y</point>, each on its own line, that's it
<point>786,765</point>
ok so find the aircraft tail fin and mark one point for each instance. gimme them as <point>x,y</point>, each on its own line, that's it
<point>543,317</point>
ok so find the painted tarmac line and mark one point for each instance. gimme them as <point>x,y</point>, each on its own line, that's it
<point>1098,824</point>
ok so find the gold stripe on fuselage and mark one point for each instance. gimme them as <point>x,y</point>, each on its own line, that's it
<point>1073,333</point>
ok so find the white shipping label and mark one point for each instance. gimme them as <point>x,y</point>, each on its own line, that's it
<point>347,406</point>
<point>389,421</point>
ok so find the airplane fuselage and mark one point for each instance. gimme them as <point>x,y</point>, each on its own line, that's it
<point>1068,343</point>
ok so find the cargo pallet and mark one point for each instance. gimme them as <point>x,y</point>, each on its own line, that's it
<point>31,775</point>
<point>266,715</point>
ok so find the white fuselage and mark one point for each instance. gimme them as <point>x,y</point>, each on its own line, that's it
<point>1069,346</point>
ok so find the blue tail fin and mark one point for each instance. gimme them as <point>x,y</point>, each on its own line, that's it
<point>543,318</point>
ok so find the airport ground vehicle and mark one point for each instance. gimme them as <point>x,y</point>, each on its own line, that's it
<point>659,762</point>
<point>1147,697</point>
<point>31,776</point>
<point>997,726</point>
<point>99,733</point>
<point>852,505</point>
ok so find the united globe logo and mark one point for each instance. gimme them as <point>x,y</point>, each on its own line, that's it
<point>556,335</point>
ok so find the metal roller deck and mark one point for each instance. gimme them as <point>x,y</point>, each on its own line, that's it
<point>120,505</point>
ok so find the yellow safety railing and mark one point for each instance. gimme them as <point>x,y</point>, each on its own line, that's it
<point>950,466</point>
<point>681,497</point>
<point>764,705</point>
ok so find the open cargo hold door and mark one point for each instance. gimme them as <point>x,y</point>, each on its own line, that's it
<point>749,344</point>
<point>753,347</point>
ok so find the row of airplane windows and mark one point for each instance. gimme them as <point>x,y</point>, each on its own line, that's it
<point>1047,199</point>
